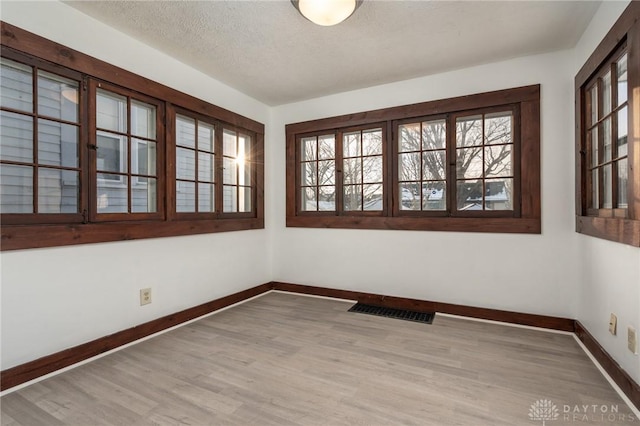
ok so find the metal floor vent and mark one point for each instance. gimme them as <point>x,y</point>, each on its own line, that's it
<point>403,314</point>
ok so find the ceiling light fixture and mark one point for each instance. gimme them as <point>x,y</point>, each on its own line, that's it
<point>326,12</point>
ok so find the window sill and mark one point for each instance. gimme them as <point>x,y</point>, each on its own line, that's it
<point>18,237</point>
<point>458,224</point>
<point>624,231</point>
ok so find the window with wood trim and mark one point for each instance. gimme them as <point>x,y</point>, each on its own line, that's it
<point>608,138</point>
<point>457,165</point>
<point>40,130</point>
<point>92,153</point>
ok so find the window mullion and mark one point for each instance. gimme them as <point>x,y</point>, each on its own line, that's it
<point>339,184</point>
<point>451,164</point>
<point>196,164</point>
<point>34,82</point>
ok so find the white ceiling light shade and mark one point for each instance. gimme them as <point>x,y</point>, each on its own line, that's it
<point>326,12</point>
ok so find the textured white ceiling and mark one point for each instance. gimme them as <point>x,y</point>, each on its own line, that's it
<point>267,50</point>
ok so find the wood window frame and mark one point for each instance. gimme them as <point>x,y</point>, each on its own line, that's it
<point>526,218</point>
<point>9,219</point>
<point>618,225</point>
<point>31,231</point>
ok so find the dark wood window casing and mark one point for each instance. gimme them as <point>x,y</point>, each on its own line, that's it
<point>607,94</point>
<point>463,164</point>
<point>89,153</point>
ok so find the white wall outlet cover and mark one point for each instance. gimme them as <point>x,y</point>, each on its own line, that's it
<point>145,296</point>
<point>632,337</point>
<point>613,322</point>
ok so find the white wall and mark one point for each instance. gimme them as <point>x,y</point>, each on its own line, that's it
<point>60,297</point>
<point>609,273</point>
<point>525,273</point>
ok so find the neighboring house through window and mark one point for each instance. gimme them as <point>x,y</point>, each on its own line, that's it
<point>463,164</point>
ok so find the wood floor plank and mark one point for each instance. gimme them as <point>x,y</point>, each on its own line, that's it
<point>285,359</point>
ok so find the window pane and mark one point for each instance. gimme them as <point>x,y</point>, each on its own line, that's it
<point>372,197</point>
<point>434,134</point>
<point>143,120</point>
<point>595,200</point>
<point>185,197</point>
<point>326,172</point>
<point>111,111</point>
<point>206,199</point>
<point>410,137</point>
<point>112,152</point>
<point>469,195</point>
<point>623,126</point>
<point>16,82</point>
<point>326,147</point>
<point>498,161</point>
<point>606,94</point>
<point>57,191</point>
<point>353,197</point>
<point>244,199</point>
<point>469,131</point>
<point>57,143</point>
<point>498,194</point>
<point>606,135</point>
<point>469,163</point>
<point>351,142</point>
<point>242,163</point>
<point>327,198</point>
<point>16,137</point>
<point>409,200</point>
<point>409,167</point>
<point>593,104</point>
<point>144,157</point>
<point>498,128</point>
<point>434,196</point>
<point>229,143</point>
<point>57,97</point>
<point>352,170</point>
<point>185,164</point>
<point>16,189</point>
<point>309,199</point>
<point>112,193</point>
<point>308,177</point>
<point>185,131</point>
<point>607,190</point>
<point>206,136</point>
<point>593,137</point>
<point>205,167</point>
<point>372,169</point>
<point>229,172</point>
<point>230,199</point>
<point>309,149</point>
<point>372,142</point>
<point>433,165</point>
<point>622,80</point>
<point>623,177</point>
<point>144,196</point>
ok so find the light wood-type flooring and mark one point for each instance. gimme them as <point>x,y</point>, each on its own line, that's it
<point>285,359</point>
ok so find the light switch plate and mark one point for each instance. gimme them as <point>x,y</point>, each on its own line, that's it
<point>613,323</point>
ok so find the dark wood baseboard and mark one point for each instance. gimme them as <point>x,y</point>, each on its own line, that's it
<point>31,370</point>
<point>555,323</point>
<point>50,363</point>
<point>622,379</point>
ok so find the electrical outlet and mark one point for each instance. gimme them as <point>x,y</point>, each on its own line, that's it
<point>632,339</point>
<point>613,322</point>
<point>145,296</point>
